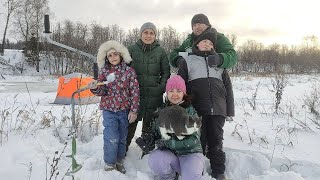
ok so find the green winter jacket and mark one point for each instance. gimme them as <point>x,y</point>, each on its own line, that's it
<point>190,144</point>
<point>224,49</point>
<point>152,68</point>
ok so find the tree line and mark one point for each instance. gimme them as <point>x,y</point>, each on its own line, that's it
<point>88,38</point>
<point>27,18</point>
<point>257,58</point>
<point>252,56</point>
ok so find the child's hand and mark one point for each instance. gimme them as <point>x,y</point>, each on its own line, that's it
<point>229,119</point>
<point>92,84</point>
<point>132,117</point>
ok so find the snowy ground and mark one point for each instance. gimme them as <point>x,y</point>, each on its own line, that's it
<point>260,144</point>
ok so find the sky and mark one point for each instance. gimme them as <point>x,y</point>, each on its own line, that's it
<point>266,21</point>
<point>259,144</point>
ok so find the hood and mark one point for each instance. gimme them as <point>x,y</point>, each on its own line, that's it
<point>106,46</point>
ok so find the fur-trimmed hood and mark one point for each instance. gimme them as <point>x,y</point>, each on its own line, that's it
<point>106,46</point>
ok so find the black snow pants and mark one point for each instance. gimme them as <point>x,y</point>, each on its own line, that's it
<point>211,142</point>
<point>147,121</point>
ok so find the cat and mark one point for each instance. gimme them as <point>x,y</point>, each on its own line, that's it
<point>175,120</point>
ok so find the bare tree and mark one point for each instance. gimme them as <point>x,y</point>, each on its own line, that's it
<point>11,5</point>
<point>29,17</point>
<point>40,7</point>
<point>23,19</point>
<point>115,32</point>
<point>132,36</point>
<point>99,34</point>
<point>28,20</point>
<point>311,41</point>
<point>169,38</point>
<point>251,56</point>
<point>233,39</point>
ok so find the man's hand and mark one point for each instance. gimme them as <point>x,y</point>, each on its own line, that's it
<point>214,60</point>
<point>132,116</point>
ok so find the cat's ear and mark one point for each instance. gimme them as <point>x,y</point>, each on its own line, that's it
<point>193,119</point>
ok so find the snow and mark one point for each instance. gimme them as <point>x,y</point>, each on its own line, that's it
<point>259,144</point>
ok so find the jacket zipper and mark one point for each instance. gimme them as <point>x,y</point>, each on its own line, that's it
<point>209,84</point>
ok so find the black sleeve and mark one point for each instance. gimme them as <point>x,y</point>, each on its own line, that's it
<point>230,99</point>
<point>183,72</point>
<point>183,69</point>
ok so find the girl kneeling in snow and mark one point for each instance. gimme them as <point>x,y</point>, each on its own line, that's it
<point>179,149</point>
<point>119,101</point>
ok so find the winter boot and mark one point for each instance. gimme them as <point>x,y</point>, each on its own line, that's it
<point>108,167</point>
<point>120,167</point>
<point>177,176</point>
<point>220,177</point>
<point>173,176</point>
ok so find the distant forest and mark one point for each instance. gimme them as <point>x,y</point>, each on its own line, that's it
<point>27,18</point>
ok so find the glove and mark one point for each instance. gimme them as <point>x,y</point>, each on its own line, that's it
<point>148,139</point>
<point>214,60</point>
<point>143,145</point>
<point>92,84</point>
<point>110,78</point>
<point>160,143</point>
<point>179,59</point>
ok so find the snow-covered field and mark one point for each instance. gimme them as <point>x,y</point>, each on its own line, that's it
<point>260,144</point>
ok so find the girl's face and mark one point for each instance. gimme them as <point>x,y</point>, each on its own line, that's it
<point>175,96</point>
<point>114,58</point>
<point>205,45</point>
<point>148,36</point>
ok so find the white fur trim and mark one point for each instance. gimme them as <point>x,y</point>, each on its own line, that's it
<point>106,46</point>
<point>111,51</point>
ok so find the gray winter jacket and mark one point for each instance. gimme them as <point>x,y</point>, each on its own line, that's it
<point>210,87</point>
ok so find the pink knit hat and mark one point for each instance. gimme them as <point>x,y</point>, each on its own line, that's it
<point>176,82</point>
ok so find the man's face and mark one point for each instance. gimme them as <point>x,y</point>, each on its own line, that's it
<point>198,28</point>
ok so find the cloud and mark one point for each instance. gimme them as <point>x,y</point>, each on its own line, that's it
<point>133,13</point>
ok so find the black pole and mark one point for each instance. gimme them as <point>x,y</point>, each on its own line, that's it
<point>95,71</point>
<point>46,24</point>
